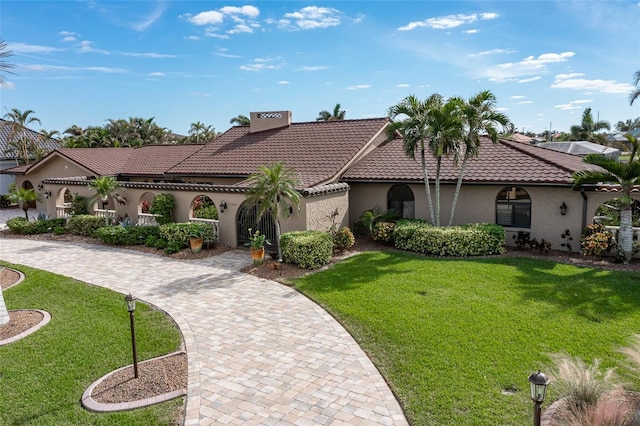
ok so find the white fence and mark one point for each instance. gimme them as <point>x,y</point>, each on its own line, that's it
<point>212,222</point>
<point>147,219</point>
<point>111,214</point>
<point>614,231</point>
<point>63,211</point>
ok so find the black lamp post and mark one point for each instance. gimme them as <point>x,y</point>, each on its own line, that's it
<point>538,382</point>
<point>131,307</point>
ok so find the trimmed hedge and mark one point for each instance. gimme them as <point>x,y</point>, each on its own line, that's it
<point>307,249</point>
<point>127,236</point>
<point>343,239</point>
<point>179,233</point>
<point>21,225</point>
<point>454,241</point>
<point>85,224</point>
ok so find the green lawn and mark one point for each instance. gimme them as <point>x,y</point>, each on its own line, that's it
<point>43,376</point>
<point>451,334</point>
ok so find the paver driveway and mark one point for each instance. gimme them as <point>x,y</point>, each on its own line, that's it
<point>259,352</point>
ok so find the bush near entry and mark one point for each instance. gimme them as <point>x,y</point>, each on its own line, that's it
<point>307,249</point>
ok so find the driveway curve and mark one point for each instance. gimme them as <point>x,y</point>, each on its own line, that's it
<point>258,351</point>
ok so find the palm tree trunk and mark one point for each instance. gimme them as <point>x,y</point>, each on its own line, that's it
<point>427,188</point>
<point>625,234</point>
<point>458,185</point>
<point>25,209</point>
<point>278,239</point>
<point>437,207</point>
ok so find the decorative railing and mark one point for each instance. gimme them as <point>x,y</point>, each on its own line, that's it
<point>63,211</point>
<point>212,222</point>
<point>147,219</point>
<point>614,231</point>
<point>105,213</point>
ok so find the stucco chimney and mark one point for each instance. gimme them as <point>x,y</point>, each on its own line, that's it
<point>268,120</point>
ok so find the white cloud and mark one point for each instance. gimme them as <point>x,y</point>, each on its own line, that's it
<point>153,16</point>
<point>157,74</point>
<point>528,66</point>
<point>313,68</point>
<point>517,97</point>
<point>359,87</point>
<point>8,85</point>
<point>449,21</point>
<point>31,48</point>
<point>529,80</point>
<point>566,76</point>
<point>491,52</point>
<point>85,46</point>
<point>227,55</point>
<point>68,38</point>
<point>311,18</point>
<point>525,102</point>
<point>240,28</point>
<point>283,82</point>
<point>251,12</point>
<point>472,31</point>
<point>210,17</point>
<point>567,107</point>
<point>47,68</point>
<point>568,81</point>
<point>402,85</point>
<point>263,64</point>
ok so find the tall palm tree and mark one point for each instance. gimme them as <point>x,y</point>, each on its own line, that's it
<point>480,117</point>
<point>444,132</point>
<point>337,114</point>
<point>273,190</point>
<point>5,67</point>
<point>18,121</point>
<point>624,174</point>
<point>409,120</point>
<point>586,130</point>
<point>635,93</point>
<point>103,186</point>
<point>24,197</point>
<point>240,120</point>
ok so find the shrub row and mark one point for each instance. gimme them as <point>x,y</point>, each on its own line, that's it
<point>179,233</point>
<point>21,225</point>
<point>307,249</point>
<point>454,241</point>
<point>128,236</point>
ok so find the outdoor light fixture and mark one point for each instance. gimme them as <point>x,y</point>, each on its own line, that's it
<point>563,209</point>
<point>538,382</point>
<point>47,194</point>
<point>223,206</point>
<point>131,307</point>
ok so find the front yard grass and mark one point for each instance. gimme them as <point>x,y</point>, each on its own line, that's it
<point>457,338</point>
<point>43,376</point>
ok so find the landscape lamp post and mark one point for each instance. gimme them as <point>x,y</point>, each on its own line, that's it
<point>131,307</point>
<point>538,382</point>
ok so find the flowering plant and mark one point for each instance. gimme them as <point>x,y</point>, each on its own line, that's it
<point>145,206</point>
<point>257,240</point>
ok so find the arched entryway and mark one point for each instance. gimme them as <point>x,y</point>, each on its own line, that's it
<point>248,218</point>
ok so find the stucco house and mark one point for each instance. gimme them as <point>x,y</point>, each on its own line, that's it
<point>344,165</point>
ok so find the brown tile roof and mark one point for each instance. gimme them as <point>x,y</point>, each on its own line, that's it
<point>318,151</point>
<point>5,134</point>
<point>100,161</point>
<point>155,160</point>
<point>505,162</point>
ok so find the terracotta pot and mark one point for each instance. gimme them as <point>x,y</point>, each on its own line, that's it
<point>257,256</point>
<point>196,245</point>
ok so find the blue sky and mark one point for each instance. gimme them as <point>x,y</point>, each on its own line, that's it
<point>83,62</point>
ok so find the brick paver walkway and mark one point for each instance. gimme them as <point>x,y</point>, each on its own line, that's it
<point>259,352</point>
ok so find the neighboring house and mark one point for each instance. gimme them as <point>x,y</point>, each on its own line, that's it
<point>582,148</point>
<point>8,155</point>
<point>343,165</point>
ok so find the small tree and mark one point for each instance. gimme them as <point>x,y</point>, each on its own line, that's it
<point>273,190</point>
<point>24,197</point>
<point>103,186</point>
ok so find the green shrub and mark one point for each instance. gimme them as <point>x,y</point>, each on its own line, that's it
<point>20,225</point>
<point>79,205</point>
<point>180,233</point>
<point>160,243</point>
<point>85,225</point>
<point>163,206</point>
<point>383,232</point>
<point>59,230</point>
<point>454,241</point>
<point>596,240</point>
<point>126,235</point>
<point>343,239</point>
<point>307,249</point>
<point>173,247</point>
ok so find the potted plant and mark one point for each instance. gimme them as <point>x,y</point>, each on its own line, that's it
<point>256,246</point>
<point>196,234</point>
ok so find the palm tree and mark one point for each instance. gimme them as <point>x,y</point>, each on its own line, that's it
<point>585,131</point>
<point>103,186</point>
<point>635,93</point>
<point>273,190</point>
<point>5,67</point>
<point>480,118</point>
<point>328,116</point>
<point>624,174</point>
<point>413,130</point>
<point>18,121</point>
<point>24,197</point>
<point>240,120</point>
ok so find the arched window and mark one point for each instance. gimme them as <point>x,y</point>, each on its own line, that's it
<point>400,199</point>
<point>513,207</point>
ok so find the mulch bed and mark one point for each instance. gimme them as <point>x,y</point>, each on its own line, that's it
<point>19,322</point>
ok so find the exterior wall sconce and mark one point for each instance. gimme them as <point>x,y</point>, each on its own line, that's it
<point>47,194</point>
<point>40,186</point>
<point>538,383</point>
<point>563,209</point>
<point>223,206</point>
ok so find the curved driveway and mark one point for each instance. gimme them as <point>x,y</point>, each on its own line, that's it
<point>259,352</point>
